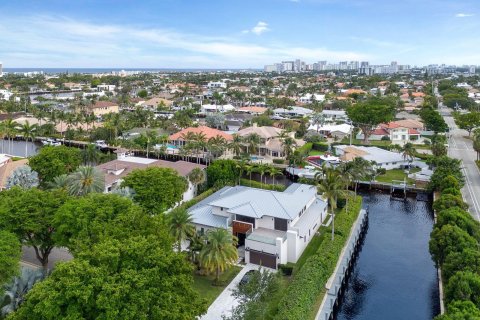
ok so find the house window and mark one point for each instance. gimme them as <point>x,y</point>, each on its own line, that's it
<point>202,231</point>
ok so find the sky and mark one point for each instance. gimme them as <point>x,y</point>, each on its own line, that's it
<point>236,33</point>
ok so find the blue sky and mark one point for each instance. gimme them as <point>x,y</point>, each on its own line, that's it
<point>236,33</point>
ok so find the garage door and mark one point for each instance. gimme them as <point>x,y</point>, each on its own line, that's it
<point>264,259</point>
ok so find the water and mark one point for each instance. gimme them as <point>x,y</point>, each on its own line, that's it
<point>18,148</point>
<point>394,276</point>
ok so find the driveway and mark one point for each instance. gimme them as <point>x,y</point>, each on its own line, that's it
<point>462,149</point>
<point>225,302</point>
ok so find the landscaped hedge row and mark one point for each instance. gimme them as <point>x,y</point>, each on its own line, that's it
<point>455,245</point>
<point>320,146</point>
<point>307,286</point>
<point>259,185</point>
<point>197,199</point>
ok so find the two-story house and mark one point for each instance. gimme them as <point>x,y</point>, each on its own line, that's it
<point>275,227</point>
<point>399,132</point>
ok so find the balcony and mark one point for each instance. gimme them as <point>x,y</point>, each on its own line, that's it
<point>267,236</point>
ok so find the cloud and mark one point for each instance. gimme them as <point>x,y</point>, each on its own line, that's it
<point>53,41</point>
<point>260,28</point>
<point>464,15</point>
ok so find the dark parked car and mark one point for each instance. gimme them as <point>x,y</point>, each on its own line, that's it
<point>247,276</point>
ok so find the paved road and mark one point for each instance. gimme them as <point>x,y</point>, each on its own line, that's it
<point>462,148</point>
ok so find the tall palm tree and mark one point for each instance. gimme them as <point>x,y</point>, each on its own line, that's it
<point>261,169</point>
<point>236,144</point>
<point>331,188</point>
<point>59,182</point>
<point>10,128</point>
<point>85,180</point>
<point>219,252</point>
<point>91,155</point>
<point>196,177</point>
<point>272,172</point>
<point>361,170</point>
<point>249,169</point>
<point>216,146</point>
<point>288,144</point>
<point>180,225</point>
<point>3,134</point>
<point>253,142</point>
<point>241,166</point>
<point>408,152</point>
<point>28,132</point>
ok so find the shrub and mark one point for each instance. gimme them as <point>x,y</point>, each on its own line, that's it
<point>259,185</point>
<point>452,191</point>
<point>449,182</point>
<point>448,201</point>
<point>278,161</point>
<point>320,146</point>
<point>385,138</point>
<point>221,173</point>
<point>286,269</point>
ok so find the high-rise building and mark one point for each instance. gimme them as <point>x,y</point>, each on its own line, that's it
<point>288,65</point>
<point>364,64</point>
<point>1,69</point>
<point>471,70</point>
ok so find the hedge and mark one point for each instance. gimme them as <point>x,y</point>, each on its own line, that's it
<point>197,199</point>
<point>320,146</point>
<point>259,185</point>
<point>308,284</point>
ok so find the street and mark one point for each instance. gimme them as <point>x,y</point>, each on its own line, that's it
<point>462,148</point>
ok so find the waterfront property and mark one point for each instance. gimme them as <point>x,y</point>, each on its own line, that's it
<point>274,227</point>
<point>116,170</point>
<point>383,158</point>
<point>178,139</point>
<point>101,108</point>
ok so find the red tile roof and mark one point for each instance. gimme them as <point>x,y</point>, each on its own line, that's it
<point>208,132</point>
<point>104,104</point>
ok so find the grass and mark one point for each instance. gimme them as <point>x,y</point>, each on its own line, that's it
<point>396,174</point>
<point>204,284</point>
<point>381,143</point>
<point>316,153</point>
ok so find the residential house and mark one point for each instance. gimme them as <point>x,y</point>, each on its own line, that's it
<point>309,98</point>
<point>274,227</point>
<point>270,145</point>
<point>253,110</point>
<point>177,139</point>
<point>399,132</point>
<point>338,131</point>
<point>154,103</point>
<point>291,112</point>
<point>115,170</point>
<point>101,108</point>
<point>213,108</point>
<point>335,115</point>
<point>383,158</point>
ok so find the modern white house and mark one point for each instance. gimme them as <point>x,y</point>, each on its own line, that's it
<point>275,227</point>
<point>332,130</point>
<point>217,84</point>
<point>309,98</point>
<point>213,108</point>
<point>383,158</point>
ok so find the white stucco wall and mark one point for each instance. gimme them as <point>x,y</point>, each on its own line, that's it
<point>265,222</point>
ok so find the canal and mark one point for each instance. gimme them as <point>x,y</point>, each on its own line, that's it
<point>17,147</point>
<point>394,276</point>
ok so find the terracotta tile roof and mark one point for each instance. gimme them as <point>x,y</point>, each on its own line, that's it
<point>380,132</point>
<point>103,104</point>
<point>253,109</point>
<point>208,132</point>
<point>413,131</point>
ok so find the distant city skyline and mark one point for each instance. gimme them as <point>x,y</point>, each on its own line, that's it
<point>236,35</point>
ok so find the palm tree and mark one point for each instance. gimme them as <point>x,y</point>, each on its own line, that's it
<point>253,142</point>
<point>219,252</point>
<point>10,129</point>
<point>181,225</point>
<point>361,169</point>
<point>217,145</point>
<point>272,172</point>
<point>90,154</point>
<point>196,177</point>
<point>85,180</point>
<point>261,169</point>
<point>288,143</point>
<point>28,132</point>
<point>249,169</point>
<point>331,188</point>
<point>408,152</point>
<point>241,166</point>
<point>59,182</point>
<point>318,119</point>
<point>236,144</point>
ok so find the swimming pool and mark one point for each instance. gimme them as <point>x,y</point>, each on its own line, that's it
<point>254,158</point>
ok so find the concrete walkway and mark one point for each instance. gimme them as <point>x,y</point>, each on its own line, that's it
<point>225,302</point>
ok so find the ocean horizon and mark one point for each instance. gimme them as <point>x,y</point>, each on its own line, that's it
<point>109,70</point>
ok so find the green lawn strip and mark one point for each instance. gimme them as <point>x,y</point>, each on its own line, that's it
<point>256,184</point>
<point>316,153</point>
<point>396,174</point>
<point>204,283</point>
<point>382,143</point>
<point>307,288</point>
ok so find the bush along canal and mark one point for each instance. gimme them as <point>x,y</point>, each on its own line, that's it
<point>393,276</point>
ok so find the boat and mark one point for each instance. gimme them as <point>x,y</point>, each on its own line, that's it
<point>101,144</point>
<point>51,142</point>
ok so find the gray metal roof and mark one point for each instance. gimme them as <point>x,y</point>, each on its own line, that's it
<point>255,203</point>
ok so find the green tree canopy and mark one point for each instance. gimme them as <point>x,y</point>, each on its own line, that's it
<point>222,172</point>
<point>460,310</point>
<point>367,115</point>
<point>30,214</point>
<point>460,218</point>
<point>468,121</point>
<point>156,189</point>
<point>464,286</point>
<point>137,278</point>
<point>466,260</point>
<point>448,239</point>
<point>10,250</point>
<point>51,162</point>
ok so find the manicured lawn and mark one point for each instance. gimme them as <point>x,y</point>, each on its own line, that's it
<point>204,284</point>
<point>316,153</point>
<point>396,174</point>
<point>372,143</point>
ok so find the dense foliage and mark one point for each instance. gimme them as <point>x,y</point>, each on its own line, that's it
<point>156,189</point>
<point>51,162</point>
<point>9,256</point>
<point>222,172</point>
